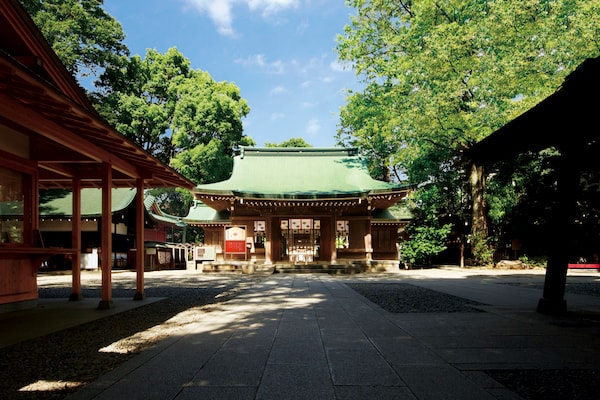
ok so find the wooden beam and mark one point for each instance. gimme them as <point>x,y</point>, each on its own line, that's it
<point>22,115</point>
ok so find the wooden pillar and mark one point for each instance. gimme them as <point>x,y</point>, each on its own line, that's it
<point>139,240</point>
<point>368,241</point>
<point>268,239</point>
<point>553,301</point>
<point>106,238</point>
<point>332,237</point>
<point>76,242</point>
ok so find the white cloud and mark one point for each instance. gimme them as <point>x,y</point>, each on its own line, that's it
<point>313,127</point>
<point>259,60</point>
<point>277,116</point>
<point>340,67</point>
<point>220,11</point>
<point>278,90</point>
<point>270,7</point>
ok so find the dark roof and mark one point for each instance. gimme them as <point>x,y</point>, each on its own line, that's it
<point>567,120</point>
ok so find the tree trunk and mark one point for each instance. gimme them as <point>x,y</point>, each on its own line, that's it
<point>479,226</point>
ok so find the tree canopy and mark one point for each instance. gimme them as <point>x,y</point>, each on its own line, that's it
<point>442,75</point>
<point>81,33</point>
<point>293,142</point>
<point>177,113</point>
<point>169,109</point>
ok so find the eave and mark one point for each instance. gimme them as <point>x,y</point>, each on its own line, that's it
<point>68,141</point>
<point>381,200</point>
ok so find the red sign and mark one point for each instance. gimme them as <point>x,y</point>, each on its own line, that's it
<point>235,240</point>
<point>235,246</point>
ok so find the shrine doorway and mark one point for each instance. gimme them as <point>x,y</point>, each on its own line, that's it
<point>301,241</point>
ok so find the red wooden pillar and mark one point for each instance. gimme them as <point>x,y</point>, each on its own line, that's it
<point>106,238</point>
<point>139,241</point>
<point>76,242</point>
<point>332,237</point>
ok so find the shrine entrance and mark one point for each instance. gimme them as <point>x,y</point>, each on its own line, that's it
<point>300,240</point>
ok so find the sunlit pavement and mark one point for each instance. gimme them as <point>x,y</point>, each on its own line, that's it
<point>312,337</point>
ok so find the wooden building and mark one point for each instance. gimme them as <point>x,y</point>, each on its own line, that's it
<point>567,122</point>
<point>300,205</point>
<point>163,233</point>
<point>51,137</point>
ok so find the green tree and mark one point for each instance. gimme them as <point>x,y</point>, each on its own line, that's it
<point>293,142</point>
<point>170,109</point>
<point>444,74</point>
<point>428,235</point>
<point>368,121</point>
<point>81,33</point>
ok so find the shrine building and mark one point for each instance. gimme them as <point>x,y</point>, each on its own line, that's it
<point>300,205</point>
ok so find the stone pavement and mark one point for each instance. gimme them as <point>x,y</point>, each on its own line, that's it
<point>312,337</point>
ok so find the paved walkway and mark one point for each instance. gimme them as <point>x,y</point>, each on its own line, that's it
<point>312,337</point>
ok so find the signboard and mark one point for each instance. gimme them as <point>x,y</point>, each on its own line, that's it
<point>235,240</point>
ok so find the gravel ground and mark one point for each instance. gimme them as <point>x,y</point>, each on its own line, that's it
<point>553,384</point>
<point>405,298</point>
<point>70,358</point>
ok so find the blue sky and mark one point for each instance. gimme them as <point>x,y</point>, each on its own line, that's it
<point>280,53</point>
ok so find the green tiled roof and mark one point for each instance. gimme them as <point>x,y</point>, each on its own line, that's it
<point>201,213</point>
<point>298,173</point>
<point>59,202</point>
<point>397,212</point>
<point>11,208</point>
<point>149,202</point>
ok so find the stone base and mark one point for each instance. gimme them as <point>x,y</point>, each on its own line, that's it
<point>139,296</point>
<point>75,297</point>
<point>552,307</point>
<point>105,304</point>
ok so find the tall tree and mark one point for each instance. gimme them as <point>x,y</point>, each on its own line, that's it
<point>81,33</point>
<point>444,74</point>
<point>168,108</point>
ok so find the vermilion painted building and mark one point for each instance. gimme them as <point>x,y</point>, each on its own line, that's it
<point>300,205</point>
<point>164,234</point>
<point>51,137</point>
